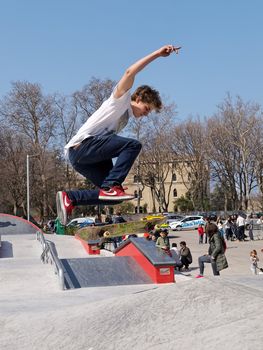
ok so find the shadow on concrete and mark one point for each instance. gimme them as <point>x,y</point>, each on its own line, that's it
<point>6,224</point>
<point>13,225</point>
<point>6,250</point>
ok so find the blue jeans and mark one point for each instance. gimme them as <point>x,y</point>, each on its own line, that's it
<point>207,259</point>
<point>93,160</point>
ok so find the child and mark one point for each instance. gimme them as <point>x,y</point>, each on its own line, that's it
<point>201,232</point>
<point>92,149</point>
<point>254,261</point>
<point>163,241</point>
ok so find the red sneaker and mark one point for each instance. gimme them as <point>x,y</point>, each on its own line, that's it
<point>115,193</point>
<point>64,207</point>
<point>199,276</point>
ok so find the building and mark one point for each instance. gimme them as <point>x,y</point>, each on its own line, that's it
<point>176,184</point>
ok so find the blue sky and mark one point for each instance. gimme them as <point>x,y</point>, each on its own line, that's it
<point>61,44</point>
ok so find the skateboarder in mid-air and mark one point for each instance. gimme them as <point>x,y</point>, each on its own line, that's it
<point>92,149</point>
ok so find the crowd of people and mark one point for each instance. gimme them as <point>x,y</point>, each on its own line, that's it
<point>215,234</point>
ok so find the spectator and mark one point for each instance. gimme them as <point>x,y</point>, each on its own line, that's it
<point>153,237</point>
<point>58,227</point>
<point>108,220</point>
<point>186,256</point>
<point>260,221</point>
<point>207,221</point>
<point>254,261</point>
<point>118,219</point>
<point>156,231</point>
<point>147,236</point>
<point>240,228</point>
<point>98,219</point>
<point>51,225</point>
<point>201,232</point>
<point>250,227</point>
<point>163,241</point>
<point>220,226</point>
<point>175,254</point>
<point>216,252</point>
<point>229,228</point>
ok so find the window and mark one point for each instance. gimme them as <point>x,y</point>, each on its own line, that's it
<point>175,192</point>
<point>136,194</point>
<point>136,179</point>
<point>174,177</point>
<point>140,210</point>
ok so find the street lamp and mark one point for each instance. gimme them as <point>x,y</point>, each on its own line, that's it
<point>27,184</point>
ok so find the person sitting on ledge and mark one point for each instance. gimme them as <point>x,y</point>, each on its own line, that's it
<point>216,252</point>
<point>163,241</point>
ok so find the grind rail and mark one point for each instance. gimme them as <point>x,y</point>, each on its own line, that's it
<point>49,255</point>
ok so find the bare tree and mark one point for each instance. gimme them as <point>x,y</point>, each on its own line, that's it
<point>91,96</point>
<point>29,112</point>
<point>155,162</point>
<point>188,144</point>
<point>12,174</point>
<point>235,140</point>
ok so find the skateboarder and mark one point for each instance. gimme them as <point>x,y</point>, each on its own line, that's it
<point>92,149</point>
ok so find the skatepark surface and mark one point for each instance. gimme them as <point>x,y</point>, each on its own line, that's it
<point>208,313</point>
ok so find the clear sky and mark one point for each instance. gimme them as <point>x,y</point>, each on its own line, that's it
<point>61,44</point>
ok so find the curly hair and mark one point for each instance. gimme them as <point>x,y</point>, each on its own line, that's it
<point>148,95</point>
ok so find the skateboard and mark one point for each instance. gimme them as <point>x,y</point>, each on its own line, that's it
<point>115,230</point>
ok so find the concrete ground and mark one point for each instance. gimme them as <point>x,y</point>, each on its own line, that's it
<point>208,313</point>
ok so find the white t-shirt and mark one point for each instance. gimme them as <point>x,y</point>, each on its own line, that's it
<point>240,221</point>
<point>111,117</point>
<point>175,254</point>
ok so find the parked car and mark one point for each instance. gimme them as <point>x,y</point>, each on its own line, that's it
<point>81,222</point>
<point>187,223</point>
<point>173,217</point>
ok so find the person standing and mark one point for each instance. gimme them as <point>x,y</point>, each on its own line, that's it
<point>254,261</point>
<point>201,232</point>
<point>240,228</point>
<point>228,228</point>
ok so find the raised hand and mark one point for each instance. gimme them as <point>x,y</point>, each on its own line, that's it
<point>168,49</point>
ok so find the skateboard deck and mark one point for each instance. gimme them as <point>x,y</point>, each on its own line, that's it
<point>115,230</point>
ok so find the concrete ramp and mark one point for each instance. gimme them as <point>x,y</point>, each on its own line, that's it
<point>13,225</point>
<point>103,271</point>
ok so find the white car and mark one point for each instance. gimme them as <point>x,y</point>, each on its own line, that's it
<point>187,223</point>
<point>77,222</point>
<point>172,218</point>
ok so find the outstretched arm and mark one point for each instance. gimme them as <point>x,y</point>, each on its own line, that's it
<point>127,79</point>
